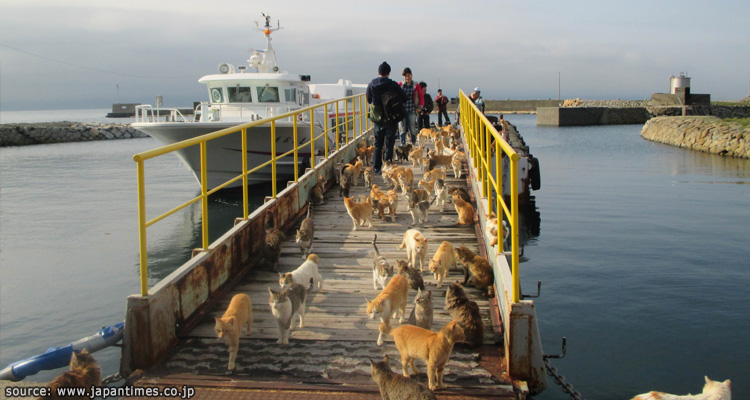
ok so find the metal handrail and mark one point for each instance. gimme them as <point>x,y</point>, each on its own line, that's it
<point>480,136</point>
<point>357,113</point>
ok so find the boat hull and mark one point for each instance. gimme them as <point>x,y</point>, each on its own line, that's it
<point>224,155</point>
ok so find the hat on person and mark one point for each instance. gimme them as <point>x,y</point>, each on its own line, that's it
<point>384,69</point>
<point>476,89</point>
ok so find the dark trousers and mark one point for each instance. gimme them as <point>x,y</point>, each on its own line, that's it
<point>440,118</point>
<point>385,135</point>
<point>423,121</point>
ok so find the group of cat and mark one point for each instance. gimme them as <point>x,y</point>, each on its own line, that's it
<point>415,339</point>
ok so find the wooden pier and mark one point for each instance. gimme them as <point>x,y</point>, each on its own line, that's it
<point>330,355</point>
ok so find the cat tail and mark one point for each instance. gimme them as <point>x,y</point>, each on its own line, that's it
<point>310,287</point>
<point>377,253</point>
<point>433,200</point>
<point>309,208</point>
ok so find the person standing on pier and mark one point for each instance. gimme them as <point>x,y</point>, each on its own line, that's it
<point>424,115</point>
<point>442,105</point>
<point>414,103</point>
<point>477,99</point>
<point>385,130</point>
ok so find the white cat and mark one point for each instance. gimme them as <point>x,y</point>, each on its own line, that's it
<point>713,390</point>
<point>308,270</point>
<point>285,304</point>
<point>416,248</point>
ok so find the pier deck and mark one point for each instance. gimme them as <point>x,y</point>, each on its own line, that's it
<point>331,353</point>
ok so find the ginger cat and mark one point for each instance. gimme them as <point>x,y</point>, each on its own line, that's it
<point>359,212</point>
<point>434,348</point>
<point>464,209</point>
<point>382,200</point>
<point>239,315</point>
<point>416,248</point>
<point>369,177</point>
<point>416,155</point>
<point>272,242</point>
<point>393,198</point>
<point>316,193</point>
<point>406,180</point>
<point>428,186</point>
<point>354,170</point>
<point>480,269</point>
<point>84,373</point>
<point>437,173</point>
<point>392,300</point>
<point>442,261</point>
<point>457,165</point>
<point>492,229</point>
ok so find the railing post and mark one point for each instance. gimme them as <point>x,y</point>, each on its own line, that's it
<point>204,195</point>
<point>514,226</point>
<point>312,147</point>
<point>338,124</point>
<point>142,248</point>
<point>296,144</point>
<point>273,159</point>
<point>245,198</point>
<point>499,195</point>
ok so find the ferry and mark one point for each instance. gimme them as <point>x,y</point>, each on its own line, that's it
<point>248,93</point>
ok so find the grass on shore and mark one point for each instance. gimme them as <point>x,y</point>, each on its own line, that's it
<point>743,122</point>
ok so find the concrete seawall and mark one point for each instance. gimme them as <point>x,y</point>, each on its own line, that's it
<point>618,112</point>
<point>707,134</point>
<point>61,132</point>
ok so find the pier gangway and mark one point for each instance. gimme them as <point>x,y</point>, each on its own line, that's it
<point>169,337</point>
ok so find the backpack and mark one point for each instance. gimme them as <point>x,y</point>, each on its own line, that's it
<point>394,109</point>
<point>428,104</point>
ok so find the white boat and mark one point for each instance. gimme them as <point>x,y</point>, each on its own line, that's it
<point>249,93</point>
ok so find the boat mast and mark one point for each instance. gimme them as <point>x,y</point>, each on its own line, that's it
<point>265,60</point>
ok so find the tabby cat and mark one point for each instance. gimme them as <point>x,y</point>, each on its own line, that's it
<point>84,373</point>
<point>466,312</point>
<point>411,274</point>
<point>421,315</point>
<point>396,387</point>
<point>479,268</point>
<point>305,234</point>
<point>272,242</point>
<point>285,304</point>
<point>381,268</point>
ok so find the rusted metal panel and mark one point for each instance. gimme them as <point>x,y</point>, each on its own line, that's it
<point>193,291</point>
<point>525,357</point>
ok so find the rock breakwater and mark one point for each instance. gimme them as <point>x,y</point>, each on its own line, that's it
<point>61,132</point>
<point>707,134</point>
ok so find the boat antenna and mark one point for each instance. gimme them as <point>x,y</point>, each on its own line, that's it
<point>265,61</point>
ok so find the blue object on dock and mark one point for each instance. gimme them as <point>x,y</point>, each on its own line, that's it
<point>58,357</point>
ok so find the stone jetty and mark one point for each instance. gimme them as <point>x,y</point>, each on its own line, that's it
<point>707,134</point>
<point>60,132</point>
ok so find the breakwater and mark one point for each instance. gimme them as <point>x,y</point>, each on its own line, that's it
<point>61,132</point>
<point>707,134</point>
<point>618,112</point>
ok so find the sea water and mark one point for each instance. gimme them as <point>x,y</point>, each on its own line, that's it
<point>641,249</point>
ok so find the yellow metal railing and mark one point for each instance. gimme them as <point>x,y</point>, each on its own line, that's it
<point>344,120</point>
<point>484,143</point>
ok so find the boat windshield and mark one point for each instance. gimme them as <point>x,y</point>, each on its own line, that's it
<point>239,94</point>
<point>268,94</point>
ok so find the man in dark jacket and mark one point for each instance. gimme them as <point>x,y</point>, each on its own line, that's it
<point>385,131</point>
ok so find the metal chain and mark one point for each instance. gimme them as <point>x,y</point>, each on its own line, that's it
<point>560,380</point>
<point>112,378</point>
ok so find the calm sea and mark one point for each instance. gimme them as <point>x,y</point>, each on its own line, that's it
<point>641,248</point>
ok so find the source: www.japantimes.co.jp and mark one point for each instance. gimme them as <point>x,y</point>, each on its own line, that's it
<point>93,392</point>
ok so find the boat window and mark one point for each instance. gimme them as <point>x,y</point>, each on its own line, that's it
<point>268,94</point>
<point>290,95</point>
<point>239,94</point>
<point>217,95</point>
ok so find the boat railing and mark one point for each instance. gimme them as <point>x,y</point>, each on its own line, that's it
<point>351,122</point>
<point>146,113</point>
<point>486,145</point>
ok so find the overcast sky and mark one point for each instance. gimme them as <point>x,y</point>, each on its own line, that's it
<point>74,54</point>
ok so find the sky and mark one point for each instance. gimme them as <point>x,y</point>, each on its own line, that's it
<point>57,55</point>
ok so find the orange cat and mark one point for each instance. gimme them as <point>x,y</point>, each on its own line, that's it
<point>359,212</point>
<point>354,170</point>
<point>416,155</point>
<point>465,211</point>
<point>441,262</point>
<point>437,173</point>
<point>84,373</point>
<point>434,348</point>
<point>416,248</point>
<point>406,180</point>
<point>391,300</point>
<point>229,327</point>
<point>428,186</point>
